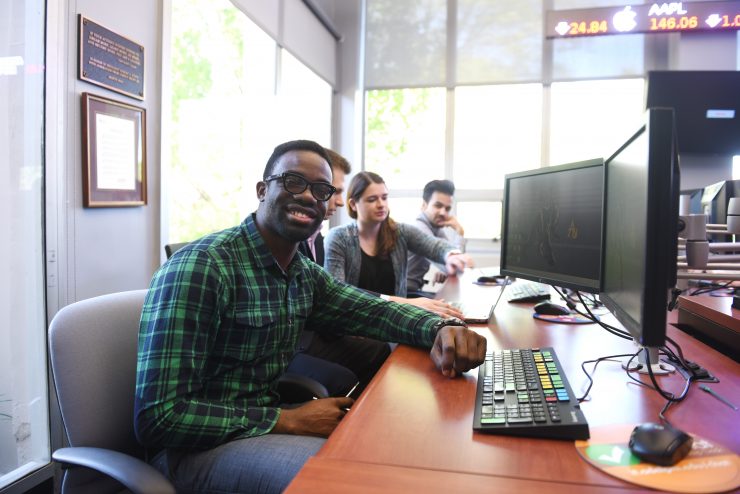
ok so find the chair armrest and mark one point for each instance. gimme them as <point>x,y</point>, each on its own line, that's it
<point>133,473</point>
<point>297,388</point>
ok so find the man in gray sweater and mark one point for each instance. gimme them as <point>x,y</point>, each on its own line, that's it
<point>435,220</point>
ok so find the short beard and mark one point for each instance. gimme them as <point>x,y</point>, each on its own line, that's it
<point>295,235</point>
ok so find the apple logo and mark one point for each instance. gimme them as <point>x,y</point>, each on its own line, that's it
<point>624,20</point>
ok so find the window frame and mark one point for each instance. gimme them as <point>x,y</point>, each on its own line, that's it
<point>654,57</point>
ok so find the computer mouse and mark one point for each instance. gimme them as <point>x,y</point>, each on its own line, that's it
<point>661,444</point>
<point>551,309</point>
<point>491,279</point>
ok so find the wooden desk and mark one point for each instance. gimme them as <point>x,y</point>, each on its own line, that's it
<point>411,416</point>
<point>328,476</point>
<point>711,319</point>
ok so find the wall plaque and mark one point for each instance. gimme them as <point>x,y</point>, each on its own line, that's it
<point>110,60</point>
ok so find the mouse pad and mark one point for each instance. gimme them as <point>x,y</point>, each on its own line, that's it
<point>709,467</point>
<point>724,292</point>
<point>569,319</point>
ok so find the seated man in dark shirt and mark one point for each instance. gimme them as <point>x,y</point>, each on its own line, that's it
<point>221,322</point>
<point>343,364</point>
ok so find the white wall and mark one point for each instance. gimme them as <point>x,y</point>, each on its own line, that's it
<point>96,251</point>
<point>705,51</point>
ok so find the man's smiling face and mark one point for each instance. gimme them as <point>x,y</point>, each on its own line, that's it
<point>294,217</point>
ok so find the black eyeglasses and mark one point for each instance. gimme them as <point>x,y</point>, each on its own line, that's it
<point>296,184</point>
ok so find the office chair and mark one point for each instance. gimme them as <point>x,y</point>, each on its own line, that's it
<point>170,249</point>
<point>93,346</point>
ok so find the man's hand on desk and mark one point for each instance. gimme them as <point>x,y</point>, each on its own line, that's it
<point>314,418</point>
<point>457,349</point>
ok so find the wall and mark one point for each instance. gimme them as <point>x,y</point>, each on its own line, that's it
<point>95,251</point>
<point>705,51</point>
<point>698,171</point>
<point>348,99</point>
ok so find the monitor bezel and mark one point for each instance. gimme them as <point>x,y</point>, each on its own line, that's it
<point>556,279</point>
<point>661,244</point>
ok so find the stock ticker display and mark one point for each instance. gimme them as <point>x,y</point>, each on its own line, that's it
<point>644,18</point>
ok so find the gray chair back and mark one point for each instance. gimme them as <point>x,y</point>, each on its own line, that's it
<point>93,347</point>
<point>170,249</point>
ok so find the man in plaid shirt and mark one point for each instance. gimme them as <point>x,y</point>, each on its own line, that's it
<point>220,324</point>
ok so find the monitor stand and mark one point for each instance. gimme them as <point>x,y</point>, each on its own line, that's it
<point>648,356</point>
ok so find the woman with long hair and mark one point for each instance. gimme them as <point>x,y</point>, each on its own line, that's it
<point>372,252</point>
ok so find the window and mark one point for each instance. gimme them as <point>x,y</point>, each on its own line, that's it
<point>598,56</point>
<point>498,41</point>
<point>405,209</point>
<point>497,131</point>
<point>24,407</point>
<point>480,219</point>
<point>404,136</point>
<point>487,70</point>
<point>208,166</point>
<point>229,110</point>
<point>305,103</point>
<point>591,119</point>
<point>405,43</point>
<point>583,4</point>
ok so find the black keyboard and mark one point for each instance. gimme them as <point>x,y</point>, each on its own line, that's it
<point>524,392</point>
<point>528,292</point>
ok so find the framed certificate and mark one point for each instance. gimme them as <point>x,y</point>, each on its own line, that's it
<point>114,153</point>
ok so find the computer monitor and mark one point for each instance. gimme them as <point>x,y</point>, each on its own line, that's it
<point>716,197</point>
<point>707,108</point>
<point>551,228</point>
<point>641,196</point>
<point>690,201</point>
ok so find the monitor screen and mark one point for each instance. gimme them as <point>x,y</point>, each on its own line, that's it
<point>706,105</point>
<point>551,227</point>
<point>642,187</point>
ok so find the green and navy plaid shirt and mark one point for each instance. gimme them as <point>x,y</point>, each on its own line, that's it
<point>221,322</point>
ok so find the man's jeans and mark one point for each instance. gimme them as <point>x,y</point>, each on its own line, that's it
<point>263,464</point>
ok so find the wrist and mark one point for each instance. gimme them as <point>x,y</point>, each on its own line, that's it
<point>284,424</point>
<point>449,321</point>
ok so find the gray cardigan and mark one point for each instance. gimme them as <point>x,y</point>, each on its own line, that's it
<point>343,256</point>
<point>419,265</point>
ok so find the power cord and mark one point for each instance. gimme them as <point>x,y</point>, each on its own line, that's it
<point>590,315</point>
<point>676,355</point>
<point>596,362</point>
<point>670,397</point>
<point>712,287</point>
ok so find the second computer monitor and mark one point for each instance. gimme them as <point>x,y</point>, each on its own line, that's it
<point>641,228</point>
<point>551,227</point>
